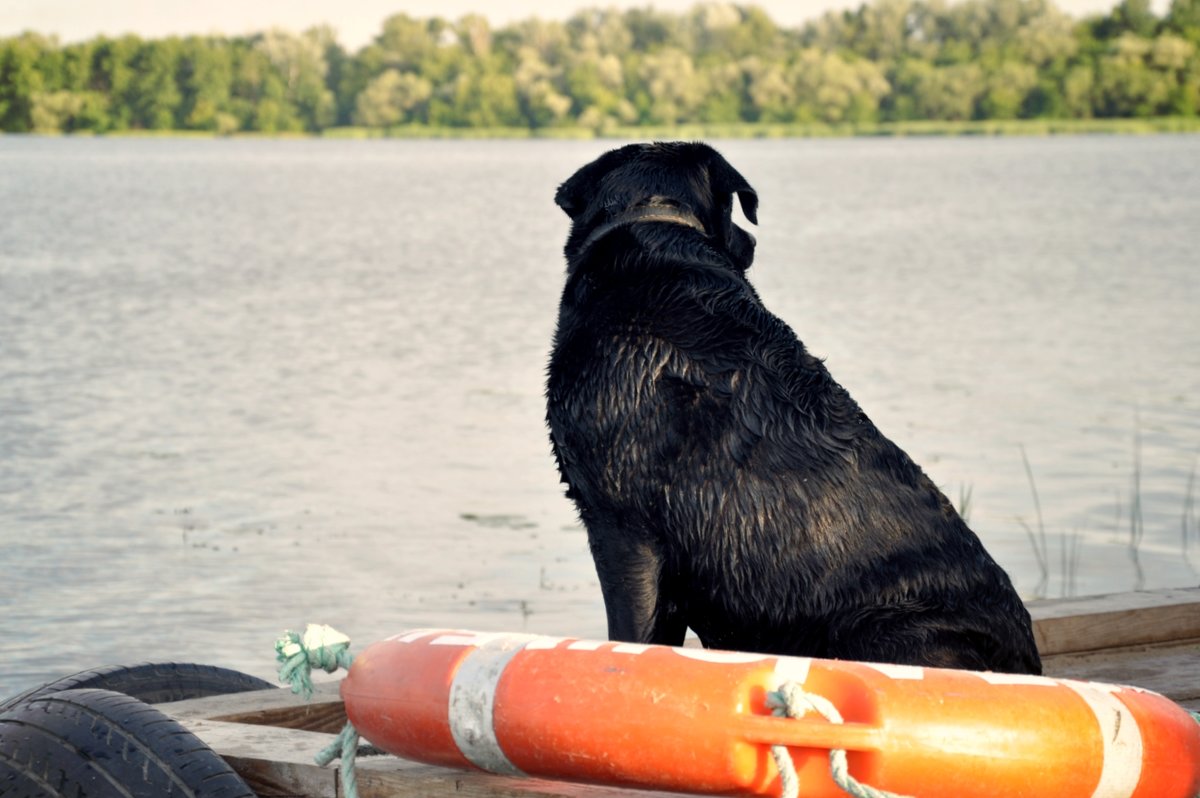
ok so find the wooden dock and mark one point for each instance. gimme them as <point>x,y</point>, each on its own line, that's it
<point>1149,639</point>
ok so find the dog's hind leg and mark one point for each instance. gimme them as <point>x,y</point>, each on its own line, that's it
<point>637,598</point>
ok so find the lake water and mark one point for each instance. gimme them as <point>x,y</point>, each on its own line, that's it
<point>249,384</point>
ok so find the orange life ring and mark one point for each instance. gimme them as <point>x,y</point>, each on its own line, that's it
<point>693,720</point>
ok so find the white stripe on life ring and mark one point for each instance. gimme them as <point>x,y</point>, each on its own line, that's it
<point>1122,768</point>
<point>473,701</point>
<point>790,669</point>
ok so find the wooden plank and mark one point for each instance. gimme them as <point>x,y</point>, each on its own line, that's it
<point>1171,669</point>
<point>393,778</point>
<point>1063,626</point>
<point>279,762</point>
<point>278,707</point>
<point>274,762</point>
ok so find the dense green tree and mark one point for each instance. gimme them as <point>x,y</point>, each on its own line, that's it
<point>770,89</point>
<point>300,64</point>
<point>20,80</point>
<point>724,102</point>
<point>112,75</point>
<point>1127,84</point>
<point>154,94</point>
<point>407,43</point>
<point>595,82</point>
<point>1078,89</point>
<point>928,91</point>
<point>1006,90</point>
<point>393,97</point>
<point>831,88</point>
<point>1183,17</point>
<point>486,99</point>
<point>724,32</point>
<point>206,84</point>
<point>651,30</point>
<point>672,88</point>
<point>601,30</point>
<point>1046,39</point>
<point>882,30</point>
<point>1130,16</point>
<point>538,84</point>
<point>68,111</point>
<point>77,66</point>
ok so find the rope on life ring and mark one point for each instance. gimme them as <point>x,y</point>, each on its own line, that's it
<point>792,702</point>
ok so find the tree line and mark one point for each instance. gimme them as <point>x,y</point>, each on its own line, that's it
<point>886,61</point>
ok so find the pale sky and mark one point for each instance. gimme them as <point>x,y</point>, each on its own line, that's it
<point>356,21</point>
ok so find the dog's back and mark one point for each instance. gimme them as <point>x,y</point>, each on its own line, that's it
<point>729,484</point>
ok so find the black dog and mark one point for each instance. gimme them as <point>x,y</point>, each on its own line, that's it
<point>726,481</point>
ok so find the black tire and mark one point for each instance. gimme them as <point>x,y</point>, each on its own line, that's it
<point>101,744</point>
<point>15,784</point>
<point>153,683</point>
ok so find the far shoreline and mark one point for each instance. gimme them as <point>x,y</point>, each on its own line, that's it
<point>983,127</point>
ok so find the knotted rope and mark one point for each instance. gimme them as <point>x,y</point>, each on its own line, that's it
<point>319,647</point>
<point>792,702</point>
<point>328,649</point>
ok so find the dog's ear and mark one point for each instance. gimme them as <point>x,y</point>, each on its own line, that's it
<point>726,181</point>
<point>573,195</point>
<point>723,182</point>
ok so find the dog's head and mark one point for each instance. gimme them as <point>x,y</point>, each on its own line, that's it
<point>642,180</point>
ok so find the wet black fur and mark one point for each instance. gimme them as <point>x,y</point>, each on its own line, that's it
<point>727,483</point>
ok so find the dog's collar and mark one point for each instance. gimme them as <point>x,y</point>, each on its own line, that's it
<point>645,213</point>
